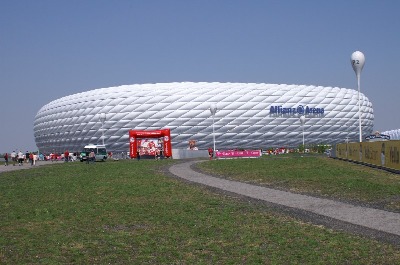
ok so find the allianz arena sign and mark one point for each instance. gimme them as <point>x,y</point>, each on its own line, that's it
<point>300,110</point>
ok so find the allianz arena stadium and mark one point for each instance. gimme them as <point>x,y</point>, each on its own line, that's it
<point>394,134</point>
<point>249,115</point>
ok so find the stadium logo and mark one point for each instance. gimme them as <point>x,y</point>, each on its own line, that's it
<point>300,110</point>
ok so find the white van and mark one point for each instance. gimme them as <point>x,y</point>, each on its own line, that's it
<point>100,152</point>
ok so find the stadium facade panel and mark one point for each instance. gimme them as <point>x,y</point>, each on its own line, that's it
<point>394,134</point>
<point>249,115</point>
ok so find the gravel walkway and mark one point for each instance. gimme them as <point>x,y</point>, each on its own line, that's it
<point>367,221</point>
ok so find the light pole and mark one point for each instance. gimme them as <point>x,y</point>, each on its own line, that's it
<point>213,110</point>
<point>102,120</point>
<point>303,120</point>
<point>357,62</point>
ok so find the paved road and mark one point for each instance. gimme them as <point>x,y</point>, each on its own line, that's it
<point>378,220</point>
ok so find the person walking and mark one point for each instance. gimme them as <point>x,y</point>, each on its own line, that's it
<point>92,157</point>
<point>66,156</point>
<point>157,153</point>
<point>6,159</point>
<point>13,157</point>
<point>31,158</point>
<point>210,153</point>
<point>21,158</point>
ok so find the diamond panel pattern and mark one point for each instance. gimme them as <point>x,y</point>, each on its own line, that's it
<point>243,119</point>
<point>394,134</point>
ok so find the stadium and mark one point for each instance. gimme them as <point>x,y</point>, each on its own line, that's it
<point>249,115</point>
<point>393,134</point>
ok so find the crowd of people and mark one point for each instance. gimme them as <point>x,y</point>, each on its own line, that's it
<point>147,149</point>
<point>20,158</point>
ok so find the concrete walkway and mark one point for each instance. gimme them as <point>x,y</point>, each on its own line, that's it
<point>375,219</point>
<point>10,166</point>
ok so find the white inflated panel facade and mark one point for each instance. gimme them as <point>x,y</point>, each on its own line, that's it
<point>244,118</point>
<point>394,134</point>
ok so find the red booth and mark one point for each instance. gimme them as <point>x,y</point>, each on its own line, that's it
<point>136,135</point>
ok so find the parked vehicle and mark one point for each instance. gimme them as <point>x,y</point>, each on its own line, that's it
<point>100,152</point>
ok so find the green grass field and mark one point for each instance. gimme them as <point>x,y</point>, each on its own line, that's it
<point>128,212</point>
<point>316,175</point>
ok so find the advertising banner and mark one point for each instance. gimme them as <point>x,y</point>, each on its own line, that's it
<point>149,146</point>
<point>235,153</point>
<point>355,151</point>
<point>372,153</point>
<point>341,151</point>
<point>382,153</point>
<point>391,154</point>
<point>139,142</point>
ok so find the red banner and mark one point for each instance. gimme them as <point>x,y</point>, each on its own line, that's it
<point>165,141</point>
<point>234,153</point>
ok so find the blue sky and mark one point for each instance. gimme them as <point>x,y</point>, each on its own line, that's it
<point>50,49</point>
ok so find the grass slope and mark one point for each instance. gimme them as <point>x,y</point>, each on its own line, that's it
<point>127,213</point>
<point>316,175</point>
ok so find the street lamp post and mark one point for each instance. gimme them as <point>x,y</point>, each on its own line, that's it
<point>213,110</point>
<point>102,120</point>
<point>303,120</point>
<point>357,62</point>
